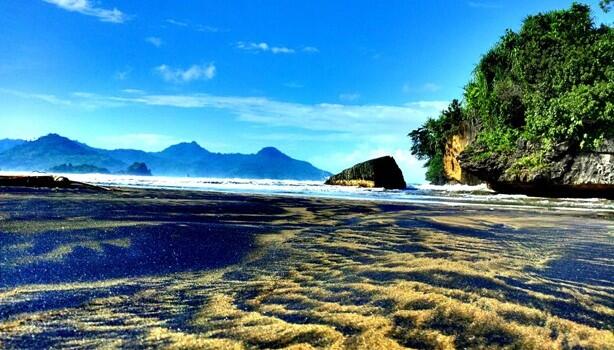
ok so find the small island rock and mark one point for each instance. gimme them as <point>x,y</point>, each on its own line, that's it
<point>379,172</point>
<point>138,168</point>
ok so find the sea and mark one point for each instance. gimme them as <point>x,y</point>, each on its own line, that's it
<point>450,195</point>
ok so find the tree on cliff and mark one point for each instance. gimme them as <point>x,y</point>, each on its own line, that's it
<point>552,82</point>
<point>428,141</point>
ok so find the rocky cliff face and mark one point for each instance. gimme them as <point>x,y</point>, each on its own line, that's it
<point>379,172</point>
<point>567,174</point>
<point>454,147</point>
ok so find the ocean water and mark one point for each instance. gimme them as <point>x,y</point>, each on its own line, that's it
<point>453,195</point>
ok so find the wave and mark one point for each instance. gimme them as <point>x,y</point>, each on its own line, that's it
<point>455,188</point>
<point>453,195</point>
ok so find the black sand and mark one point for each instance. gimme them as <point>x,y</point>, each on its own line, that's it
<point>155,268</point>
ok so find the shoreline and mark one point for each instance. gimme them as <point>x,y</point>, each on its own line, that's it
<point>429,195</point>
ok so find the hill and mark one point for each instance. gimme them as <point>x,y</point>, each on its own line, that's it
<point>6,144</point>
<point>51,150</point>
<point>537,115</point>
<point>183,159</point>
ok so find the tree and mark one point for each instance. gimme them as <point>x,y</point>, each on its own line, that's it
<point>551,82</point>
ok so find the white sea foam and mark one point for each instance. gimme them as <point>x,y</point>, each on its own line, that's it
<point>448,195</point>
<point>454,188</point>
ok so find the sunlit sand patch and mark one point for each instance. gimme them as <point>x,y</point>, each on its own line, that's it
<point>483,222</point>
<point>61,251</point>
<point>325,277</point>
<point>35,226</point>
<point>17,247</point>
<point>174,340</point>
<point>220,318</point>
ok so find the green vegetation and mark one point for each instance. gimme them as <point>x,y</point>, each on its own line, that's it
<point>550,83</point>
<point>428,142</point>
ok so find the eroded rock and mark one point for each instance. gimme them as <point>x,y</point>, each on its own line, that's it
<point>379,172</point>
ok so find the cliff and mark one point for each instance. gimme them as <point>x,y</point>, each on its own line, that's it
<point>455,145</point>
<point>565,172</point>
<point>542,100</point>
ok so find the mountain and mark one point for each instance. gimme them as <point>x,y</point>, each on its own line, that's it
<point>183,159</point>
<point>6,144</point>
<point>52,150</point>
<point>270,163</point>
<point>185,152</point>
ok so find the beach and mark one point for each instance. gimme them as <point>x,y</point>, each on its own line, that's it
<point>150,268</point>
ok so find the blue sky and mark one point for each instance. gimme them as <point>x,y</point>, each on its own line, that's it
<point>330,82</point>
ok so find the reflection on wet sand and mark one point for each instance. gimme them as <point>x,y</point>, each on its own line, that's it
<point>198,270</point>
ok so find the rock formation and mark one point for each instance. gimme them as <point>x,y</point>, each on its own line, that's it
<point>568,174</point>
<point>138,168</point>
<point>379,172</point>
<point>454,147</point>
<point>44,181</point>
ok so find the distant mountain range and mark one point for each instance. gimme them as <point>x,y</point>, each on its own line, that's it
<point>183,159</point>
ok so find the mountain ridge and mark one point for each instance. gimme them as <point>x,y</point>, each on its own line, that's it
<point>182,159</point>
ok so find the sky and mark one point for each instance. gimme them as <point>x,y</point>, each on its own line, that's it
<point>330,82</point>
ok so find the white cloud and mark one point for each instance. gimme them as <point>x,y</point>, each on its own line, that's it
<point>195,27</point>
<point>374,121</point>
<point>357,119</point>
<point>433,105</point>
<point>133,91</point>
<point>310,49</point>
<point>178,75</point>
<point>77,99</point>
<point>141,141</point>
<point>155,41</point>
<point>295,136</point>
<point>350,96</point>
<point>263,47</point>
<point>176,22</point>
<point>426,87</point>
<point>48,98</point>
<point>87,8</point>
<point>281,50</point>
<point>207,29</point>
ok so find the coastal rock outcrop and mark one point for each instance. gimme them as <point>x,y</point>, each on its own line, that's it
<point>44,181</point>
<point>567,174</point>
<point>138,168</point>
<point>379,172</point>
<point>455,145</point>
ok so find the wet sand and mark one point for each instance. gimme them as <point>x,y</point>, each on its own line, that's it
<point>181,269</point>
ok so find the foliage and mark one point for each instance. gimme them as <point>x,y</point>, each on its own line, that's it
<point>551,82</point>
<point>428,141</point>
